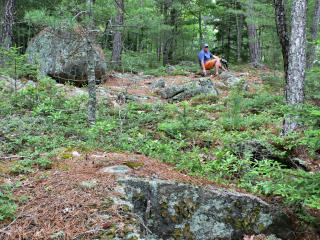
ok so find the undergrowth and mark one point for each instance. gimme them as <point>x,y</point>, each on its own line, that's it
<point>41,122</point>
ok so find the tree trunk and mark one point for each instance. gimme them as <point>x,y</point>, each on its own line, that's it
<point>117,34</point>
<point>297,62</point>
<point>91,71</point>
<point>254,46</point>
<point>165,35</point>
<point>200,30</point>
<point>173,36</point>
<point>7,24</point>
<point>229,39</point>
<point>91,84</point>
<point>281,25</point>
<point>313,35</point>
<point>239,22</point>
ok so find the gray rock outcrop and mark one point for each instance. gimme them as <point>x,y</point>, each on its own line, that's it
<point>174,210</point>
<point>62,55</point>
<point>179,93</point>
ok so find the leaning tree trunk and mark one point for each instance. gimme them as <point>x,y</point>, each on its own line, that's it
<point>281,25</point>
<point>297,62</point>
<point>313,35</point>
<point>117,35</point>
<point>7,24</point>
<point>254,46</point>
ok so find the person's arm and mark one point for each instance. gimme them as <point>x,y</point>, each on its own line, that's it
<point>201,59</point>
<point>215,57</point>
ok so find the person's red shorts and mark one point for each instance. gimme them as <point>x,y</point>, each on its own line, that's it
<point>209,65</point>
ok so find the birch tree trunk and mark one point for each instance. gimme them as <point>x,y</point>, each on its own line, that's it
<point>117,35</point>
<point>281,25</point>
<point>313,35</point>
<point>254,46</point>
<point>7,24</point>
<point>297,62</point>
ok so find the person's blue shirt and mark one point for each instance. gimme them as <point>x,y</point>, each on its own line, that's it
<point>205,56</point>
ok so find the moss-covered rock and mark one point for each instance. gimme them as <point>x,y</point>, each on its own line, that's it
<point>181,211</point>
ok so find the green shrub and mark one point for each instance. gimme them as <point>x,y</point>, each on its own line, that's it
<point>204,99</point>
<point>8,206</point>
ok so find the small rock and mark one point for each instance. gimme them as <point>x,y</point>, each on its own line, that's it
<point>116,169</point>
<point>57,235</point>
<point>159,83</point>
<point>75,154</point>
<point>226,74</point>
<point>89,184</point>
<point>171,69</point>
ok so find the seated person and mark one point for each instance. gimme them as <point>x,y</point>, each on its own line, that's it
<point>206,63</point>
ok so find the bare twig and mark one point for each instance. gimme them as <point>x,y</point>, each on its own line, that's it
<point>79,13</point>
<point>21,157</point>
<point>20,216</point>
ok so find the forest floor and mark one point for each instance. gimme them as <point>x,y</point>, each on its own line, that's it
<point>70,200</point>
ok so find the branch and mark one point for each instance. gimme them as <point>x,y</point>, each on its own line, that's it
<point>20,216</point>
<point>78,14</point>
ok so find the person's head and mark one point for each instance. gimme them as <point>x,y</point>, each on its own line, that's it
<point>206,47</point>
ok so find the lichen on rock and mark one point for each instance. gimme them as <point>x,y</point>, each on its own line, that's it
<point>181,211</point>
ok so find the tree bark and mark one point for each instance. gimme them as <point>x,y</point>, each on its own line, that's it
<point>239,22</point>
<point>313,35</point>
<point>91,84</point>
<point>91,70</point>
<point>117,35</point>
<point>281,25</point>
<point>229,39</point>
<point>297,63</point>
<point>200,30</point>
<point>254,46</point>
<point>7,24</point>
<point>165,35</point>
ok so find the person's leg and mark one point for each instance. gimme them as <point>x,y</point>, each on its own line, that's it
<point>217,66</point>
<point>210,64</point>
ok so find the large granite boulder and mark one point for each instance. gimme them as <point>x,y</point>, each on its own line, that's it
<point>62,55</point>
<point>172,210</point>
<point>179,93</point>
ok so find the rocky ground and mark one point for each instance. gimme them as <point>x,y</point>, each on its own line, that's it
<point>105,195</point>
<point>89,196</point>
